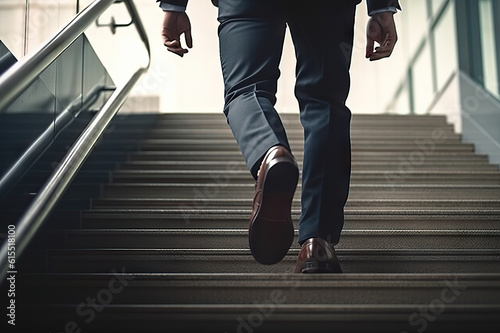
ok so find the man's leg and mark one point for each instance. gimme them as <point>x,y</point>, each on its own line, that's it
<point>251,35</point>
<point>323,36</point>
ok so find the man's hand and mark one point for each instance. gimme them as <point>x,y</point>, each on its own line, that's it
<point>174,25</point>
<point>381,28</point>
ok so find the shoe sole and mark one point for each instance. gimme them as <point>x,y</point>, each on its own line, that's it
<point>271,231</point>
<point>321,267</point>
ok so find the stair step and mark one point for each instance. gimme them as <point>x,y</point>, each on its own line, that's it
<point>357,177</point>
<point>389,121</point>
<point>234,288</point>
<point>293,124</point>
<point>204,203</point>
<point>238,238</point>
<point>185,216</point>
<point>235,156</point>
<point>358,191</point>
<point>413,135</point>
<point>413,139</point>
<point>230,144</point>
<point>274,318</point>
<point>465,166</point>
<point>293,133</point>
<point>364,261</point>
<point>229,302</point>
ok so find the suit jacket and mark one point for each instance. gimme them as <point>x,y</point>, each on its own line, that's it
<point>372,4</point>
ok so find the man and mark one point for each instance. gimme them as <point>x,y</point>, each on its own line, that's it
<point>251,35</point>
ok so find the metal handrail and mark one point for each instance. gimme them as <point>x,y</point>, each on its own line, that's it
<point>56,185</point>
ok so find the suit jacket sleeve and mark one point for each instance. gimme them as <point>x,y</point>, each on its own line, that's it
<point>182,3</point>
<point>372,4</point>
<point>381,4</point>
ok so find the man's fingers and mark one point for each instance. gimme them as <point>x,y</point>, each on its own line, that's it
<point>189,38</point>
<point>377,55</point>
<point>385,41</point>
<point>174,46</point>
<point>172,43</point>
<point>179,52</point>
<point>381,52</point>
<point>373,34</point>
<point>370,44</point>
<point>385,49</point>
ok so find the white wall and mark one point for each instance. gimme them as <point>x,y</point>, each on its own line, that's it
<point>194,83</point>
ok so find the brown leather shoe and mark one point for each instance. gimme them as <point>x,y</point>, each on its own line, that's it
<point>271,229</point>
<point>317,256</point>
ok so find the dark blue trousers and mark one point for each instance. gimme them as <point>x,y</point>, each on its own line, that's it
<point>251,35</point>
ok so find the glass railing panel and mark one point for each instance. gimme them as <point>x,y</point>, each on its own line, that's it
<point>62,86</point>
<point>28,116</point>
<point>94,73</point>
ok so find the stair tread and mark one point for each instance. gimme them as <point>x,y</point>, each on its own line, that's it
<point>230,213</point>
<point>298,308</point>
<point>112,203</point>
<point>204,238</point>
<point>392,279</point>
<point>196,254</point>
<point>277,318</point>
<point>200,173</point>
<point>359,261</point>
<point>244,232</point>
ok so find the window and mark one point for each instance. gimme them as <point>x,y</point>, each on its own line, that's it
<point>423,91</point>
<point>436,6</point>
<point>488,47</point>
<point>445,46</point>
<point>415,20</point>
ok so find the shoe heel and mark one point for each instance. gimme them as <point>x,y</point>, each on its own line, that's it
<point>282,177</point>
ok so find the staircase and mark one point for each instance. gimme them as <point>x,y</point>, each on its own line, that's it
<point>163,246</point>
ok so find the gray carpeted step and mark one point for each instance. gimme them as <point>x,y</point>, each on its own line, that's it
<point>221,189</point>
<point>388,165</point>
<point>238,238</point>
<point>364,261</point>
<point>189,215</point>
<point>238,176</point>
<point>234,288</point>
<point>214,203</point>
<point>235,156</point>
